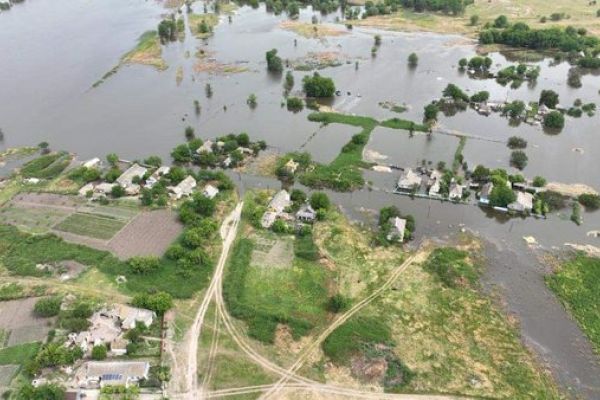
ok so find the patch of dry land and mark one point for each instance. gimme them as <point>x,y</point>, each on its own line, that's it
<point>147,52</point>
<point>309,30</point>
<point>579,13</point>
<point>202,25</point>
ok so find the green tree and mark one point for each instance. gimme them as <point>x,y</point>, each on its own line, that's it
<point>159,302</point>
<point>143,264</point>
<point>318,86</point>
<point>112,159</point>
<point>319,200</point>
<point>47,391</point>
<point>589,201</point>
<point>549,98</point>
<point>501,196</point>
<point>539,181</point>
<point>413,60</point>
<point>516,142</point>
<point>117,191</point>
<point>518,159</point>
<point>554,120</point>
<point>99,352</point>
<point>501,22</point>
<point>47,307</point>
<point>474,19</point>
<point>274,63</point>
<point>181,154</point>
<point>289,81</point>
<point>431,112</point>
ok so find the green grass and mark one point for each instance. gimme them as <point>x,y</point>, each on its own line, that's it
<point>264,297</point>
<point>18,354</point>
<point>48,166</point>
<point>577,284</point>
<point>305,248</point>
<point>20,252</point>
<point>91,225</point>
<point>352,337</point>
<point>343,173</point>
<point>458,156</point>
<point>35,220</point>
<point>451,267</point>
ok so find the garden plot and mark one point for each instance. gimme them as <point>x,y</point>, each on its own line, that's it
<point>7,372</point>
<point>97,226</point>
<point>148,234</point>
<point>32,219</point>
<point>277,252</point>
<point>17,317</point>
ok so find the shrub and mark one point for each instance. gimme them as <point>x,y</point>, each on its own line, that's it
<point>516,142</point>
<point>539,181</point>
<point>143,265</point>
<point>294,104</point>
<point>338,303</point>
<point>554,120</point>
<point>99,352</point>
<point>318,86</point>
<point>47,307</point>
<point>319,200</point>
<point>589,201</point>
<point>518,159</point>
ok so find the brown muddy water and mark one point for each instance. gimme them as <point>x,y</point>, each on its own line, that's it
<point>52,51</point>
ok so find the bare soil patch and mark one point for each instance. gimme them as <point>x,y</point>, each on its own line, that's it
<point>16,316</point>
<point>273,253</point>
<point>148,234</point>
<point>6,374</point>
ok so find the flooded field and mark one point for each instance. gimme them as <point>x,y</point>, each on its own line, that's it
<point>47,94</point>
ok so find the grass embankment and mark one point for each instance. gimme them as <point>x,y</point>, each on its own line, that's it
<point>48,166</point>
<point>21,252</point>
<point>343,173</point>
<point>580,14</point>
<point>148,51</point>
<point>202,25</point>
<point>577,285</point>
<point>308,30</point>
<point>435,333</point>
<point>458,155</point>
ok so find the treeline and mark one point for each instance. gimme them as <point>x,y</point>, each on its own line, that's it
<point>520,34</point>
<point>454,7</point>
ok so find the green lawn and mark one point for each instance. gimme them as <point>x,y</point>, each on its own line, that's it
<point>91,225</point>
<point>265,296</point>
<point>18,354</point>
<point>577,284</point>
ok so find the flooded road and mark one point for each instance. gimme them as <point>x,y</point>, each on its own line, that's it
<point>54,50</point>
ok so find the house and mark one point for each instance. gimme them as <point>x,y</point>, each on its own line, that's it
<point>103,373</point>
<point>434,183</point>
<point>227,162</point>
<point>118,347</point>
<point>103,188</point>
<point>280,201</point>
<point>133,172</point>
<point>398,225</point>
<point>409,181</point>
<point>291,166</point>
<point>306,214</point>
<point>85,189</point>
<point>268,219</point>
<point>455,191</point>
<point>523,203</point>
<point>92,163</point>
<point>245,150</point>
<point>183,188</point>
<point>484,194</point>
<point>130,316</point>
<point>132,190</point>
<point>32,181</point>
<point>207,147</point>
<point>155,177</point>
<point>210,191</point>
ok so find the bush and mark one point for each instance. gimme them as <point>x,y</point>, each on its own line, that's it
<point>338,303</point>
<point>99,352</point>
<point>589,201</point>
<point>159,302</point>
<point>47,307</point>
<point>431,112</point>
<point>318,86</point>
<point>413,60</point>
<point>516,142</point>
<point>353,336</point>
<point>319,200</point>
<point>518,159</point>
<point>549,98</point>
<point>554,120</point>
<point>539,181</point>
<point>143,265</point>
<point>294,104</point>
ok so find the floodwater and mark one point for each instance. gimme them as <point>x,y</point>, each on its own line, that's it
<point>52,51</point>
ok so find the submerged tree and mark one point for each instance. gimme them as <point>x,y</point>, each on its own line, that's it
<point>413,60</point>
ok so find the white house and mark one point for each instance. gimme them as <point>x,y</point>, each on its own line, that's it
<point>205,148</point>
<point>455,191</point>
<point>92,163</point>
<point>210,191</point>
<point>523,203</point>
<point>409,180</point>
<point>306,213</point>
<point>397,229</point>
<point>130,316</point>
<point>155,177</point>
<point>484,194</point>
<point>127,177</point>
<point>183,188</point>
<point>125,373</point>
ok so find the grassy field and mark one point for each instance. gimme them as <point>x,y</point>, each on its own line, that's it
<point>91,225</point>
<point>34,220</point>
<point>580,12</point>
<point>18,354</point>
<point>147,52</point>
<point>48,166</point>
<point>343,173</point>
<point>576,283</point>
<point>309,30</point>
<point>194,21</point>
<point>448,336</point>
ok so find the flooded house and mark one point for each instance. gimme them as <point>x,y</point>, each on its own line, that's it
<point>398,225</point>
<point>207,147</point>
<point>184,188</point>
<point>523,203</point>
<point>132,173</point>
<point>455,191</point>
<point>155,177</point>
<point>306,214</point>
<point>484,194</point>
<point>409,181</point>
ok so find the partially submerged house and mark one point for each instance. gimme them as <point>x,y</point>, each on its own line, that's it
<point>92,163</point>
<point>132,173</point>
<point>155,177</point>
<point>291,166</point>
<point>434,183</point>
<point>126,373</point>
<point>455,191</point>
<point>523,203</point>
<point>183,188</point>
<point>398,225</point>
<point>207,147</point>
<point>484,194</point>
<point>409,181</point>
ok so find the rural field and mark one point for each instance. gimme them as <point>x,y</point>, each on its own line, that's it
<point>18,321</point>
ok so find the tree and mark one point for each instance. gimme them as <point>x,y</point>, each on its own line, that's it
<point>117,191</point>
<point>516,142</point>
<point>514,109</point>
<point>274,63</point>
<point>181,154</point>
<point>279,226</point>
<point>462,63</point>
<point>203,205</point>
<point>159,302</point>
<point>251,101</point>
<point>289,81</point>
<point>539,181</point>
<point>294,104</point>
<point>47,307</point>
<point>480,173</point>
<point>143,264</point>
<point>474,19</point>
<point>549,98</point>
<point>338,303</point>
<point>377,40</point>
<point>318,86</point>
<point>298,196</point>
<point>413,60</point>
<point>154,161</point>
<point>47,391</point>
<point>386,213</point>
<point>501,196</point>
<point>319,200</point>
<point>112,159</point>
<point>455,92</point>
<point>431,112</point>
<point>589,201</point>
<point>501,22</point>
<point>518,159</point>
<point>99,352</point>
<point>554,120</point>
<point>189,133</point>
<point>480,97</point>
